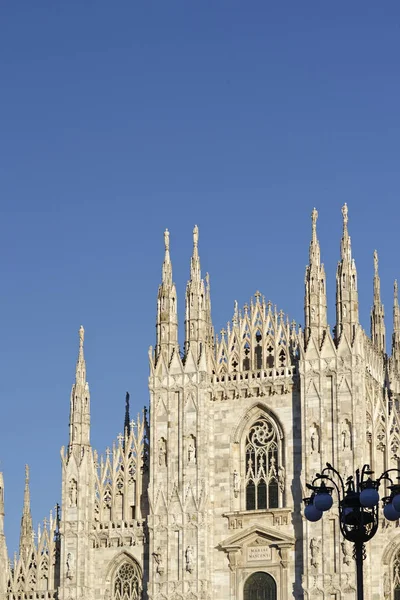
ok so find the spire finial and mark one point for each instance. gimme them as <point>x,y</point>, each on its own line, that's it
<point>195,236</point>
<point>345,213</point>
<point>80,374</point>
<point>26,537</point>
<point>376,262</point>
<point>166,240</point>
<point>396,292</point>
<point>314,217</point>
<point>81,336</point>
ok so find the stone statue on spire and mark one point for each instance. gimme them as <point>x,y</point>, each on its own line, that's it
<point>345,213</point>
<point>166,240</point>
<point>314,217</point>
<point>376,262</point>
<point>195,236</point>
<point>81,336</point>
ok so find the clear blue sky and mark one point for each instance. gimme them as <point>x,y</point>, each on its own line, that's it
<point>119,119</point>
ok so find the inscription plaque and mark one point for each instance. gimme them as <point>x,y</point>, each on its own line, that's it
<point>259,553</point>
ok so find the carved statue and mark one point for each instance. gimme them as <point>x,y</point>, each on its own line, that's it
<point>191,452</point>
<point>70,566</point>
<point>346,553</point>
<point>281,478</point>
<point>315,549</point>
<point>345,212</point>
<point>189,554</point>
<point>159,560</point>
<point>166,239</point>
<point>346,435</point>
<point>162,452</point>
<point>195,235</point>
<point>236,483</point>
<point>376,262</point>
<point>73,493</point>
<point>314,438</point>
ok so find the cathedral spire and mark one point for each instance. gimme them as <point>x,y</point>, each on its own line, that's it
<point>79,423</point>
<point>315,290</point>
<point>396,329</point>
<point>378,333</point>
<point>127,420</point>
<point>167,315</point>
<point>198,325</point>
<point>346,286</point>
<point>26,535</point>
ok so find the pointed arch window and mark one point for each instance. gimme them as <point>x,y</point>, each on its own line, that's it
<point>262,466</point>
<point>260,586</point>
<point>127,582</point>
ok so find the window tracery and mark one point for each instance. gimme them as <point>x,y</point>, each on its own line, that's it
<point>126,584</point>
<point>262,466</point>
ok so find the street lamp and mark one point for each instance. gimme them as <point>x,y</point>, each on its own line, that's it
<point>358,507</point>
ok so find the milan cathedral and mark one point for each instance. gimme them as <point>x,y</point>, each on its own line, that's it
<point>200,498</point>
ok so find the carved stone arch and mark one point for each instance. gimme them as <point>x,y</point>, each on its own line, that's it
<point>391,571</point>
<point>124,557</point>
<point>391,549</point>
<point>258,409</point>
<point>259,462</point>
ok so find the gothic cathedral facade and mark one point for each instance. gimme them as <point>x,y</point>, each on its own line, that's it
<point>200,498</point>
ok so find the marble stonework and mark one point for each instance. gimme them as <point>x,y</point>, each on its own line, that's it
<point>206,489</point>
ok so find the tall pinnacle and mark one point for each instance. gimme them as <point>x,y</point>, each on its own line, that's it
<point>315,290</point>
<point>345,246</point>
<point>167,266</point>
<point>167,316</point>
<point>315,253</point>
<point>80,374</point>
<point>378,331</point>
<point>195,273</point>
<point>79,422</point>
<point>127,420</point>
<point>396,329</point>
<point>198,326</point>
<point>26,535</point>
<point>346,287</point>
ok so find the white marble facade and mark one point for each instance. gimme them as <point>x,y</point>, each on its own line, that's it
<point>201,498</point>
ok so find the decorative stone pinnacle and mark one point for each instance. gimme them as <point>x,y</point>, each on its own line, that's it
<point>396,292</point>
<point>257,295</point>
<point>26,473</point>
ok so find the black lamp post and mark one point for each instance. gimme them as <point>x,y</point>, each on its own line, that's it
<point>358,507</point>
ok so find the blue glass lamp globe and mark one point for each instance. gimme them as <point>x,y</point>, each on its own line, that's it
<point>323,501</point>
<point>369,497</point>
<point>396,502</point>
<point>390,512</point>
<point>312,514</point>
